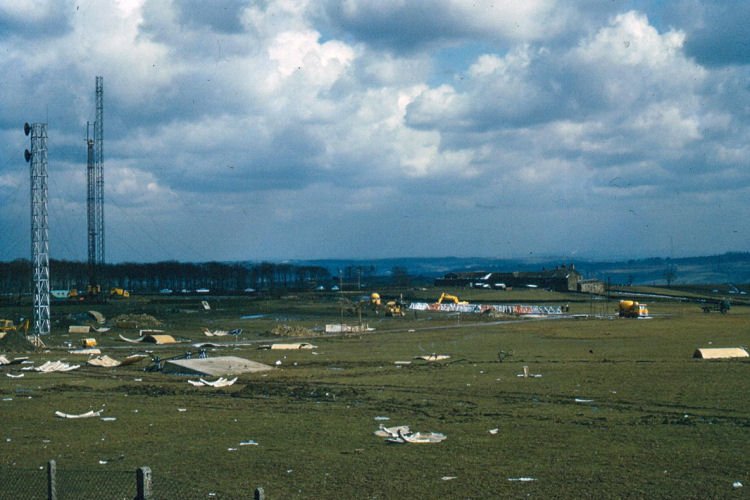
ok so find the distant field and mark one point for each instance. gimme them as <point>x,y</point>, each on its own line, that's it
<point>620,410</point>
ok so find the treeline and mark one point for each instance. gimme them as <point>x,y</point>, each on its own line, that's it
<point>15,276</point>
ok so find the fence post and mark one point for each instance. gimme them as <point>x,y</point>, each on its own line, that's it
<point>51,480</point>
<point>143,483</point>
<point>260,494</point>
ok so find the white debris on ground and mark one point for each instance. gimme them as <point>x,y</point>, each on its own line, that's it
<point>433,357</point>
<point>220,382</point>
<point>52,366</point>
<point>88,414</point>
<point>402,434</point>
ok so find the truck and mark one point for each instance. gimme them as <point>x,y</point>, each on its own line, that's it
<point>632,309</point>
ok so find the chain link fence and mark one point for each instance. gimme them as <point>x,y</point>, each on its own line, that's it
<point>53,483</point>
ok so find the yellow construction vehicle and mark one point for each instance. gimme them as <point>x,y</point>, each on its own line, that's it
<point>393,308</point>
<point>6,325</point>
<point>450,298</point>
<point>632,309</point>
<point>119,293</point>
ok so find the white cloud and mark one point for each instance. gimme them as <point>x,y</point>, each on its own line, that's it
<point>304,122</point>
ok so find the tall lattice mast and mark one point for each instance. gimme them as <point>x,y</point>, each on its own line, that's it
<point>39,226</point>
<point>91,210</point>
<point>99,162</point>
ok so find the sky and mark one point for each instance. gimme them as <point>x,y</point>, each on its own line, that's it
<point>310,129</point>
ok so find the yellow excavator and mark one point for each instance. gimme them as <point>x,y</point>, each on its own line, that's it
<point>450,298</point>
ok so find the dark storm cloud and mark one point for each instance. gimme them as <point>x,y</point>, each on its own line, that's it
<point>219,15</point>
<point>721,34</point>
<point>403,27</point>
<point>36,20</point>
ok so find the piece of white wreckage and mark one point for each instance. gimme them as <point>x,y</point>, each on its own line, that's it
<point>220,382</point>
<point>88,414</point>
<point>402,435</point>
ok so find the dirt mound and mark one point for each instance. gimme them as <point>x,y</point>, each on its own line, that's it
<point>292,331</point>
<point>135,321</point>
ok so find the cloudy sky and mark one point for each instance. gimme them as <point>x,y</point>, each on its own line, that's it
<point>294,129</point>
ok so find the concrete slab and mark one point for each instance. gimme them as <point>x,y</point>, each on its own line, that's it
<point>216,367</point>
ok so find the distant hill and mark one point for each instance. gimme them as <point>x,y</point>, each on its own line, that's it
<point>715,269</point>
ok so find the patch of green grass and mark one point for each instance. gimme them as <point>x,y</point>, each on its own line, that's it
<point>620,410</point>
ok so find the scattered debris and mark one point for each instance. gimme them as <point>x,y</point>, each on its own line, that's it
<point>220,366</point>
<point>379,418</point>
<point>720,353</point>
<point>88,414</point>
<point>154,339</point>
<point>344,328</point>
<point>386,432</point>
<point>108,362</point>
<point>494,431</point>
<point>89,351</point>
<point>579,400</point>
<point>522,479</point>
<point>249,442</point>
<point>292,347</point>
<point>79,329</point>
<point>206,305</point>
<point>53,366</point>
<point>108,419</point>
<point>221,333</point>
<point>527,374</point>
<point>5,361</point>
<point>11,375</point>
<point>433,357</point>
<point>402,363</point>
<point>402,434</point>
<point>220,382</point>
<point>448,478</point>
<point>736,484</point>
<point>98,317</point>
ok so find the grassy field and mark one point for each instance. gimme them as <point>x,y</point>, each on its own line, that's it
<point>620,410</point>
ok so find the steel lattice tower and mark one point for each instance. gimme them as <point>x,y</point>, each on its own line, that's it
<point>39,226</point>
<point>91,211</point>
<point>98,171</point>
